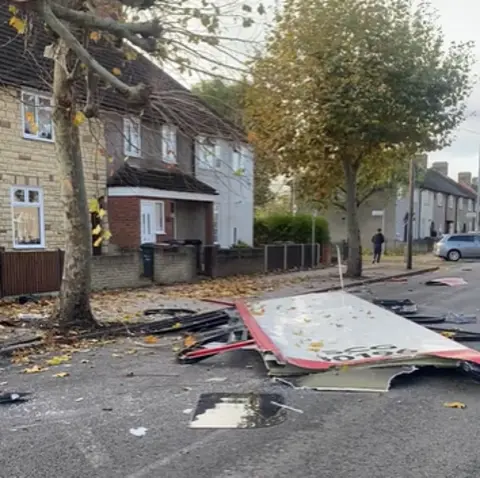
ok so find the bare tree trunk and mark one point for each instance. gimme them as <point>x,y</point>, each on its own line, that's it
<point>354,263</point>
<point>73,307</point>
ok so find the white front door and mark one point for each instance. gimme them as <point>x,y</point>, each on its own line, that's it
<point>147,228</point>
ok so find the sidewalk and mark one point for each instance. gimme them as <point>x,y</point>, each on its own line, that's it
<point>128,305</point>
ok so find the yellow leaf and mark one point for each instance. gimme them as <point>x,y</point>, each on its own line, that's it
<point>101,213</point>
<point>150,339</point>
<point>34,369</point>
<point>176,348</point>
<point>79,118</point>
<point>59,359</point>
<point>448,334</point>
<point>18,24</point>
<point>117,355</point>
<point>239,172</point>
<point>131,352</point>
<point>110,159</point>
<point>95,36</point>
<point>12,9</point>
<point>177,325</point>
<point>97,242</point>
<point>61,375</point>
<point>189,341</point>
<point>130,54</point>
<point>455,405</point>
<point>106,235</point>
<point>93,205</point>
<point>117,71</point>
<point>315,346</point>
<point>97,231</point>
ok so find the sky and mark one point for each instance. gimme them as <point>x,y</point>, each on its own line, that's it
<point>460,22</point>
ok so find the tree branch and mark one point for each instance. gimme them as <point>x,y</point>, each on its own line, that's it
<point>339,205</point>
<point>138,93</point>
<point>139,34</point>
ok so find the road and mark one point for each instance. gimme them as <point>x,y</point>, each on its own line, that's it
<point>78,426</point>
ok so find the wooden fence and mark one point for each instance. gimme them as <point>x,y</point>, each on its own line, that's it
<point>33,272</point>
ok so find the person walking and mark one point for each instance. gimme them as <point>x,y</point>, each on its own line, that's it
<point>377,240</point>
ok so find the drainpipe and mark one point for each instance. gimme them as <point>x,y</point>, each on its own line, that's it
<point>419,218</point>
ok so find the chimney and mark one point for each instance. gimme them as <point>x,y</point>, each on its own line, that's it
<point>441,167</point>
<point>465,178</point>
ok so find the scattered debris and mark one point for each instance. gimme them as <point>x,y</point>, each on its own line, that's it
<point>286,407</point>
<point>13,397</point>
<point>448,281</point>
<point>80,399</point>
<point>399,306</point>
<point>460,318</point>
<point>150,339</point>
<point>459,405</point>
<point>216,379</point>
<point>138,432</point>
<point>238,410</point>
<point>58,360</point>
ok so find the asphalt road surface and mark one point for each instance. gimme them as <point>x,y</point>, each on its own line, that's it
<point>78,426</point>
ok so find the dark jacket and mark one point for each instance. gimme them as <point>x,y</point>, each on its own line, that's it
<point>378,239</point>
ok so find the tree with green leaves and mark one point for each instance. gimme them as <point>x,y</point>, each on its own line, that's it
<point>168,31</point>
<point>228,99</point>
<point>347,89</point>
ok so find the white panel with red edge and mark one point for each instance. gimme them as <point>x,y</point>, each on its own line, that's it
<point>318,331</point>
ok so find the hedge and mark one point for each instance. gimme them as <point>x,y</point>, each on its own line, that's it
<point>289,228</point>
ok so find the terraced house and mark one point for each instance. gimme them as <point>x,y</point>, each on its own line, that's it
<point>173,170</point>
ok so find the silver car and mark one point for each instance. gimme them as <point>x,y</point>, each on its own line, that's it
<point>457,246</point>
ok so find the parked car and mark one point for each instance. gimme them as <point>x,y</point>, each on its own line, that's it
<point>453,247</point>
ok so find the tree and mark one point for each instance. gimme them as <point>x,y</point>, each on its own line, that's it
<point>74,28</point>
<point>345,84</point>
<point>228,99</point>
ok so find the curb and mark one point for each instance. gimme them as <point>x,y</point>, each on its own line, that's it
<point>375,280</point>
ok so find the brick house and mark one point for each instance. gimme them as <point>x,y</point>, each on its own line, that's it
<point>140,162</point>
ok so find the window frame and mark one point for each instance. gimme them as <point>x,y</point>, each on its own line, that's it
<point>469,205</point>
<point>39,205</point>
<point>158,230</point>
<point>169,132</point>
<point>128,147</point>
<point>440,199</point>
<point>460,204</point>
<point>37,96</point>
<point>202,155</point>
<point>450,201</point>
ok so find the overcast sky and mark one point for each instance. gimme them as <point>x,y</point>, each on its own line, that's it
<point>460,20</point>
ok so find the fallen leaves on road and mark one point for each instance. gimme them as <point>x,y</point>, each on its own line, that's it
<point>150,339</point>
<point>459,405</point>
<point>59,359</point>
<point>61,375</point>
<point>34,369</point>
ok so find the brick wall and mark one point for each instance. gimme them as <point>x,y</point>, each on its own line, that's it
<point>125,270</point>
<point>27,162</point>
<point>124,220</point>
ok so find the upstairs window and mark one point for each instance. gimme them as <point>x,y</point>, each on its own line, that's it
<point>132,137</point>
<point>439,199</point>
<point>238,161</point>
<point>460,204</point>
<point>169,144</point>
<point>37,116</point>
<point>470,205</point>
<point>450,202</point>
<point>205,153</point>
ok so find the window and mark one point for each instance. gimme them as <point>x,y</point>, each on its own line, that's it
<point>470,205</point>
<point>460,204</point>
<point>238,163</point>
<point>205,153</point>
<point>450,202</point>
<point>27,212</point>
<point>465,238</point>
<point>426,198</point>
<point>160,217</point>
<point>216,216</point>
<point>132,137</point>
<point>37,117</point>
<point>439,199</point>
<point>169,144</point>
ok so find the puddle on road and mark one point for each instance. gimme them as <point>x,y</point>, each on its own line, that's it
<point>238,410</point>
